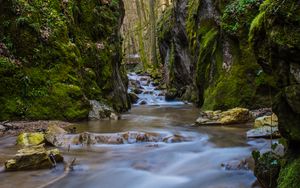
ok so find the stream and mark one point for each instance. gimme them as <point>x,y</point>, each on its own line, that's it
<point>214,157</point>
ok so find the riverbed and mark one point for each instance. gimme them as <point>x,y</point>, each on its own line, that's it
<point>216,157</point>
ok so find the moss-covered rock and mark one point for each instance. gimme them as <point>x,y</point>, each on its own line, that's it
<point>28,139</point>
<point>58,54</point>
<point>207,57</point>
<point>34,158</point>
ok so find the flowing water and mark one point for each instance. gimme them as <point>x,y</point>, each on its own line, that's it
<point>211,159</point>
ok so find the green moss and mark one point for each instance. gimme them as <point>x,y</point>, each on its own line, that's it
<point>256,25</point>
<point>238,14</point>
<point>60,55</point>
<point>289,176</point>
<point>28,139</point>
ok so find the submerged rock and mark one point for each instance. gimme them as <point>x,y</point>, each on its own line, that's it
<point>266,121</point>
<point>101,111</point>
<point>131,137</point>
<point>34,158</point>
<point>28,139</point>
<point>232,116</point>
<point>264,132</point>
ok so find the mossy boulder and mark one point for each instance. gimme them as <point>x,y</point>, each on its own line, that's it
<point>231,116</point>
<point>34,158</point>
<point>29,139</point>
<point>235,115</point>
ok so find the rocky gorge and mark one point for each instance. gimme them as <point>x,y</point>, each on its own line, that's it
<point>220,109</point>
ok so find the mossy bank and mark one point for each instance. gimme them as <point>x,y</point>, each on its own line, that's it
<point>55,55</point>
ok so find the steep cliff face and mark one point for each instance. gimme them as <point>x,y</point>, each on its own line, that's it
<point>275,35</point>
<point>57,54</point>
<point>205,50</point>
<point>238,53</point>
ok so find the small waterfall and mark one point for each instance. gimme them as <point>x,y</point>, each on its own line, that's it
<point>148,91</point>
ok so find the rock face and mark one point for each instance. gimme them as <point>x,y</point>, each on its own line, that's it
<point>278,42</point>
<point>275,36</point>
<point>206,55</point>
<point>34,158</point>
<point>232,116</point>
<point>56,55</point>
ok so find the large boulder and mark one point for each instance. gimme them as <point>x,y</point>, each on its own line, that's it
<point>28,139</point>
<point>232,116</point>
<point>33,158</point>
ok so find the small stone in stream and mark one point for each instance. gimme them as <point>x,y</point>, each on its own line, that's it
<point>148,93</point>
<point>236,165</point>
<point>2,128</point>
<point>114,116</point>
<point>264,132</point>
<point>137,91</point>
<point>266,120</point>
<point>28,139</point>
<point>133,97</point>
<point>143,102</point>
<point>34,158</point>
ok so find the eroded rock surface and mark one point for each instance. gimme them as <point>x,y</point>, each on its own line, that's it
<point>34,158</point>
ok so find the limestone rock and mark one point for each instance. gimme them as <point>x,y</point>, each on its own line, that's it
<point>55,135</point>
<point>131,137</point>
<point>101,111</point>
<point>232,116</point>
<point>266,120</point>
<point>28,139</point>
<point>2,128</point>
<point>264,132</point>
<point>235,115</point>
<point>34,158</point>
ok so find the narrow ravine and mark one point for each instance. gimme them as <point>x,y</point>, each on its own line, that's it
<point>211,157</point>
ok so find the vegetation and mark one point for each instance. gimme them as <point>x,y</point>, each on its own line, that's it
<point>57,55</point>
